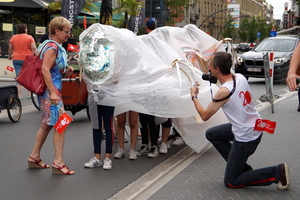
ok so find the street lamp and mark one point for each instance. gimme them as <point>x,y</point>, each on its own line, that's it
<point>229,9</point>
<point>229,21</point>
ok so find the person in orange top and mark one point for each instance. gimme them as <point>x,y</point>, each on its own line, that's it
<point>21,45</point>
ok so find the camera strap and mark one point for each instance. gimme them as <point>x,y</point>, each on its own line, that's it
<point>229,95</point>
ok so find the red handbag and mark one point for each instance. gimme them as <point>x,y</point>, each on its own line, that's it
<point>30,75</point>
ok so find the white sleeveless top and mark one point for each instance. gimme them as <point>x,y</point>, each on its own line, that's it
<point>240,110</point>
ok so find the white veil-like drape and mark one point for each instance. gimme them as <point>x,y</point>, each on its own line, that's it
<point>149,74</point>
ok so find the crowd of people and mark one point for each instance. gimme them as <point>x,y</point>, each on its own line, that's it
<point>236,141</point>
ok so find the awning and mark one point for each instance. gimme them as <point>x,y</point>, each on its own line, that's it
<point>32,4</point>
<point>95,12</point>
<point>26,3</point>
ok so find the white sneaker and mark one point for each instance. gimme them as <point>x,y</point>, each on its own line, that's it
<point>132,155</point>
<point>94,162</point>
<point>178,142</point>
<point>120,154</point>
<point>107,164</point>
<point>153,152</point>
<point>159,141</point>
<point>143,151</point>
<point>163,148</point>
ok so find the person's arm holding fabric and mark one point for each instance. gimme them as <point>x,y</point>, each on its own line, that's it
<point>294,65</point>
<point>212,107</point>
<point>48,60</point>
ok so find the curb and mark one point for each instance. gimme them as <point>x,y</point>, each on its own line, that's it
<point>7,79</point>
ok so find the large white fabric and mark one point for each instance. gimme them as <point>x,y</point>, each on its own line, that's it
<point>147,75</point>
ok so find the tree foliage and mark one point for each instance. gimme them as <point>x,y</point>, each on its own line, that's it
<point>228,28</point>
<point>56,5</point>
<point>128,8</point>
<point>243,30</point>
<point>177,9</point>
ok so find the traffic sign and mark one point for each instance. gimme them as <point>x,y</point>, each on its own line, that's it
<point>273,33</point>
<point>258,34</point>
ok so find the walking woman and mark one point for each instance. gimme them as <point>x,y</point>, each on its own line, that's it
<point>20,46</point>
<point>54,67</point>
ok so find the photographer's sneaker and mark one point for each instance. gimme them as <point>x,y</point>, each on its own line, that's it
<point>107,164</point>
<point>163,149</point>
<point>143,151</point>
<point>178,142</point>
<point>94,162</point>
<point>132,155</point>
<point>153,152</point>
<point>120,154</point>
<point>284,177</point>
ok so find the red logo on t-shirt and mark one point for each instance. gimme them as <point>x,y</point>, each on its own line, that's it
<point>247,97</point>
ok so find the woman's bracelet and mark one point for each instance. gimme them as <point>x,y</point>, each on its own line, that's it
<point>194,97</point>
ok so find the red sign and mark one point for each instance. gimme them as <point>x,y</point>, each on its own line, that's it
<point>265,125</point>
<point>72,47</point>
<point>273,28</point>
<point>62,123</point>
<point>9,68</point>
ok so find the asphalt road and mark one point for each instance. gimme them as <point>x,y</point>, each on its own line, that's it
<point>168,176</point>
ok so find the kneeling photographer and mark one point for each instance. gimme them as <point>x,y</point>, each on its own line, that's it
<point>236,140</point>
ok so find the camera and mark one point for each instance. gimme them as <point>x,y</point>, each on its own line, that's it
<point>210,78</point>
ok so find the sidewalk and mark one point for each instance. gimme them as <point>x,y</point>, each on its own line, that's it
<point>203,178</point>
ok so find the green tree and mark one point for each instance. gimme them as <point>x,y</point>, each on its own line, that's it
<point>130,8</point>
<point>252,30</point>
<point>243,31</point>
<point>228,28</point>
<point>177,9</point>
<point>56,5</point>
<point>263,28</point>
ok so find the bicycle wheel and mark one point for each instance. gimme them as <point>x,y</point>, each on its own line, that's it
<point>35,101</point>
<point>14,108</point>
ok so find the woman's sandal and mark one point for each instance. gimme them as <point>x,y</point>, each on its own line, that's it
<point>36,164</point>
<point>58,169</point>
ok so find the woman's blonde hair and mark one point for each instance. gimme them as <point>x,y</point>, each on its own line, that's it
<point>58,23</point>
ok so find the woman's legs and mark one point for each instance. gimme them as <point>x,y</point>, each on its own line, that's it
<point>18,65</point>
<point>121,120</point>
<point>108,113</point>
<point>58,141</point>
<point>40,139</point>
<point>133,123</point>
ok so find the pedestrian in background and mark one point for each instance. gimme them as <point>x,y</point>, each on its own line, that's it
<point>237,140</point>
<point>294,73</point>
<point>20,46</point>
<point>54,67</point>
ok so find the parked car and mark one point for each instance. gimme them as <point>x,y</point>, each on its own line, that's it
<point>251,64</point>
<point>243,47</point>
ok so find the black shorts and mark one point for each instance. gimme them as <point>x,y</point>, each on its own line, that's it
<point>167,124</point>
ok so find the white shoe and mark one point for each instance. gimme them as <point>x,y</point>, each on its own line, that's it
<point>163,148</point>
<point>107,164</point>
<point>159,141</point>
<point>178,142</point>
<point>94,162</point>
<point>153,152</point>
<point>132,155</point>
<point>143,151</point>
<point>120,154</point>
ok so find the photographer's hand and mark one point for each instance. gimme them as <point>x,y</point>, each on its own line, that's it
<point>195,90</point>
